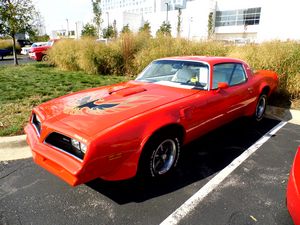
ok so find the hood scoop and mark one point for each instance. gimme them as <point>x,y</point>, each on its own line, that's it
<point>128,91</point>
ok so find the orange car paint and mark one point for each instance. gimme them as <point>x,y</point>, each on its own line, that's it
<point>127,114</point>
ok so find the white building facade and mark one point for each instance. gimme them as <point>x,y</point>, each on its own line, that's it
<point>232,20</point>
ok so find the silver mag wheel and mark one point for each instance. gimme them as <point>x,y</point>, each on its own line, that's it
<point>163,157</point>
<point>261,107</point>
<point>159,156</point>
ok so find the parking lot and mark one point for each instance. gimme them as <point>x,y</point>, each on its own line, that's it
<point>9,60</point>
<point>254,193</point>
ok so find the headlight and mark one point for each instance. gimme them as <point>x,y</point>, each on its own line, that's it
<point>83,148</point>
<point>78,145</point>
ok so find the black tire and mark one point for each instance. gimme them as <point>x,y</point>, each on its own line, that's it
<point>45,58</point>
<point>159,157</point>
<point>260,108</point>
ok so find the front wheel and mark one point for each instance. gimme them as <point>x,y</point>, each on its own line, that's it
<point>45,58</point>
<point>260,107</point>
<point>159,156</point>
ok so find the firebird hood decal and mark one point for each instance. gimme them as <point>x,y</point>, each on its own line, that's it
<point>101,106</point>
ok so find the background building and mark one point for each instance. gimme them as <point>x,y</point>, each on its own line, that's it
<point>229,20</point>
<point>256,20</point>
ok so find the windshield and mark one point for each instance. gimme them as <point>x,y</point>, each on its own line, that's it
<point>177,71</point>
<point>50,43</point>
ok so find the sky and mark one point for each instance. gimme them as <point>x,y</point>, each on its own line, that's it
<point>57,12</point>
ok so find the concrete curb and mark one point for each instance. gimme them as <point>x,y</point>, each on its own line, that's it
<point>13,142</point>
<point>292,116</point>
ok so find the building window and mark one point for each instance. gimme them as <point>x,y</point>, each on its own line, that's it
<point>250,16</point>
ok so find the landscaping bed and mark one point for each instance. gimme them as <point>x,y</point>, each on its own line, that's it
<point>23,87</point>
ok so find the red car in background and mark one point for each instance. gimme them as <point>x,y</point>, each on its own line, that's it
<point>39,53</point>
<point>293,190</point>
<point>138,127</point>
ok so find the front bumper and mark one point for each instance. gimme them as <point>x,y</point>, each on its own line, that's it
<point>293,194</point>
<point>60,164</point>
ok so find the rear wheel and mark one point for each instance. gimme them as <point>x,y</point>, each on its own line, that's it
<point>260,107</point>
<point>159,156</point>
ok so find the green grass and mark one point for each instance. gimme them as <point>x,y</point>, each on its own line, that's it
<point>23,87</point>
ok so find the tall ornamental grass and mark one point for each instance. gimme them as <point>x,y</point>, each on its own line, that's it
<point>8,44</point>
<point>130,53</point>
<point>281,57</point>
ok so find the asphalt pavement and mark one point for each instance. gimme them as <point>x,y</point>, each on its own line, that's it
<point>254,193</point>
<point>9,60</point>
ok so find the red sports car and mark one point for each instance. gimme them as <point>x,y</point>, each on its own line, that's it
<point>293,190</point>
<point>39,53</point>
<point>138,127</point>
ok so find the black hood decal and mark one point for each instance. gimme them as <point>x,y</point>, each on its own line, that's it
<point>94,106</point>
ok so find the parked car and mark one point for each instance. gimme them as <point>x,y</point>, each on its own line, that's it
<point>40,53</point>
<point>23,43</point>
<point>5,52</point>
<point>25,50</point>
<point>293,194</point>
<point>138,127</point>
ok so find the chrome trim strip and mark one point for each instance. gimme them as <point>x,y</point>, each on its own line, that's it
<point>36,130</point>
<point>61,150</point>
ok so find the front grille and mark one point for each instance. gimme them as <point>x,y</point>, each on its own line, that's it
<point>36,123</point>
<point>63,143</point>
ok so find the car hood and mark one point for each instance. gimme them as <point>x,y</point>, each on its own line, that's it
<point>92,111</point>
<point>39,48</point>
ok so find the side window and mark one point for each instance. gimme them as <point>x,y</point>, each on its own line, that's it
<point>238,75</point>
<point>231,73</point>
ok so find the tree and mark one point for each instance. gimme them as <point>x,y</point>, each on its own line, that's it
<point>126,29</point>
<point>210,25</point>
<point>89,30</point>
<point>164,29</point>
<point>39,24</point>
<point>108,32</point>
<point>97,15</point>
<point>145,29</point>
<point>16,16</point>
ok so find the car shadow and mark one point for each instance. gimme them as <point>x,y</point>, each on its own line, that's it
<point>200,159</point>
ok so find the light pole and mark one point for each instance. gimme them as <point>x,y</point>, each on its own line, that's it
<point>76,24</point>
<point>190,21</point>
<point>107,13</point>
<point>67,27</point>
<point>167,11</point>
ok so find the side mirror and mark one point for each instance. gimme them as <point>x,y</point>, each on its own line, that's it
<point>222,85</point>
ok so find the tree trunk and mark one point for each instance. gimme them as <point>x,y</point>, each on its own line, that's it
<point>14,51</point>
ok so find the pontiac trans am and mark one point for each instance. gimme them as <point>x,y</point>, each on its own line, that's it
<point>138,127</point>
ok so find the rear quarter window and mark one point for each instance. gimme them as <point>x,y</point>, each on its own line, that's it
<point>231,73</point>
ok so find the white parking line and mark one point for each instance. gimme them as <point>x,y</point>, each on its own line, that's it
<point>193,201</point>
